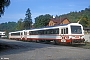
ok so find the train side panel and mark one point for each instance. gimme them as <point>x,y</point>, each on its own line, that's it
<point>61,34</point>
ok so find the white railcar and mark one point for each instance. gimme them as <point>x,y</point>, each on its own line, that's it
<point>15,35</point>
<point>66,33</point>
<point>2,34</point>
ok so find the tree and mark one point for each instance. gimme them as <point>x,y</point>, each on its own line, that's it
<point>57,16</point>
<point>84,20</point>
<point>8,27</point>
<point>76,15</point>
<point>28,20</point>
<point>3,4</point>
<point>19,25</point>
<point>42,20</point>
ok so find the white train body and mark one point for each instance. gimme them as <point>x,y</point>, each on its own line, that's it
<point>15,35</point>
<point>2,34</point>
<point>70,33</point>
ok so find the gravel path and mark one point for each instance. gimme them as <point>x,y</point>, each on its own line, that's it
<point>18,50</point>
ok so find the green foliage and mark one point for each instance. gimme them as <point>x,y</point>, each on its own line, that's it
<point>84,20</point>
<point>42,20</point>
<point>10,26</point>
<point>28,20</point>
<point>19,25</point>
<point>3,4</point>
<point>83,16</point>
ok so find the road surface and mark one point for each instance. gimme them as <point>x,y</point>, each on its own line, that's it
<point>18,50</point>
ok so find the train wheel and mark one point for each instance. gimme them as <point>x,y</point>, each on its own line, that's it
<point>37,41</point>
<point>47,41</point>
<point>55,42</point>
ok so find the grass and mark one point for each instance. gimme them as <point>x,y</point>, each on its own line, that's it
<point>86,46</point>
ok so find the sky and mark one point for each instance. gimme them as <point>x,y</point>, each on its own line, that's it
<point>18,8</point>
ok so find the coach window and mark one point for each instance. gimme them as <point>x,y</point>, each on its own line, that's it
<point>29,32</point>
<point>41,32</point>
<point>51,31</point>
<point>21,33</point>
<point>36,32</point>
<point>47,31</point>
<point>25,33</point>
<point>56,31</point>
<point>18,33</point>
<point>66,30</point>
<point>61,31</point>
<point>15,34</point>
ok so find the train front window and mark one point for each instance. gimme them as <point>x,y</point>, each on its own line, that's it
<point>76,30</point>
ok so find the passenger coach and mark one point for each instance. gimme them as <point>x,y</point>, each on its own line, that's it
<point>2,34</point>
<point>68,33</point>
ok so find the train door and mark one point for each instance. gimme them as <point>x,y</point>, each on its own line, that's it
<point>25,35</point>
<point>21,35</point>
<point>64,31</point>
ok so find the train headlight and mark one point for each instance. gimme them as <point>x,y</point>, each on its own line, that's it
<point>63,40</point>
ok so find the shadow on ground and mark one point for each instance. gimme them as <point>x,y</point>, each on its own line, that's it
<point>16,47</point>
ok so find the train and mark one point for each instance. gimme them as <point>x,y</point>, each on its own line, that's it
<point>2,34</point>
<point>71,33</point>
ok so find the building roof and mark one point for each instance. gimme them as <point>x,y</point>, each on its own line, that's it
<point>58,20</point>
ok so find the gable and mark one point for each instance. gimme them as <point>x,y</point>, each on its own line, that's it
<point>57,21</point>
<point>66,21</point>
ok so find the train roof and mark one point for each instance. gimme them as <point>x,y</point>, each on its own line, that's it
<point>47,27</point>
<point>16,31</point>
<point>54,26</point>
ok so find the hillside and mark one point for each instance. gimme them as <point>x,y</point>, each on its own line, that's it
<point>83,16</point>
